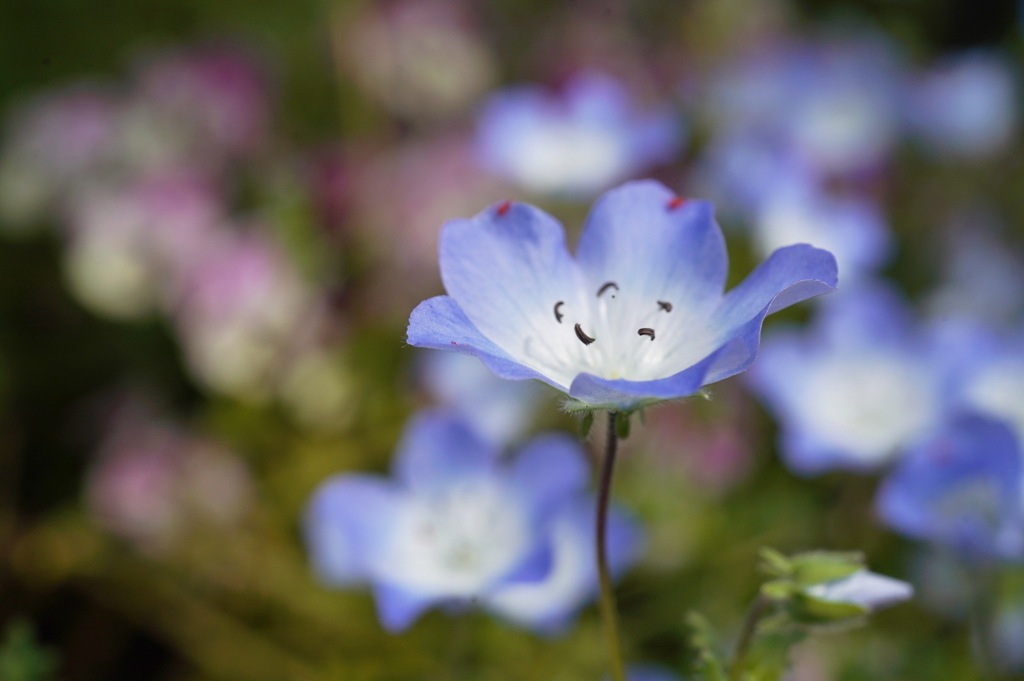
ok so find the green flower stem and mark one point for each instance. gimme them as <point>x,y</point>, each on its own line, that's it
<point>609,612</point>
<point>747,635</point>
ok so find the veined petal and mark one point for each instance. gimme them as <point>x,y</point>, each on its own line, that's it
<point>507,268</point>
<point>345,521</point>
<point>441,324</point>
<point>790,275</point>
<point>438,448</point>
<point>657,248</point>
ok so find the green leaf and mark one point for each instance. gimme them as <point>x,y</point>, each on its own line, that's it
<point>22,659</point>
<point>709,665</point>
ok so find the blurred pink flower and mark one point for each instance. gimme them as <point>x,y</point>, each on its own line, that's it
<point>223,93</point>
<point>154,482</point>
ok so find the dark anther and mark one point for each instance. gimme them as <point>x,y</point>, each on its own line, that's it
<point>605,286</point>
<point>665,305</point>
<point>558,314</point>
<point>584,338</point>
<point>646,332</point>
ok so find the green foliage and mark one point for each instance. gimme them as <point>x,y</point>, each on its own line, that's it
<point>22,658</point>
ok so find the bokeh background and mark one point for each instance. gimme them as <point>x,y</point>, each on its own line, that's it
<point>215,219</point>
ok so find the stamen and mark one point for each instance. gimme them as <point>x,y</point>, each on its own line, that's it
<point>503,207</point>
<point>665,305</point>
<point>584,338</point>
<point>646,332</point>
<point>558,314</point>
<point>605,286</point>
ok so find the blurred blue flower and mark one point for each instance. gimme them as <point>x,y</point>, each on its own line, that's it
<point>854,389</point>
<point>966,106</point>
<point>644,672</point>
<point>833,104</point>
<point>851,227</point>
<point>458,525</point>
<point>639,314</point>
<point>499,410</point>
<point>575,142</point>
<point>990,375</point>
<point>961,487</point>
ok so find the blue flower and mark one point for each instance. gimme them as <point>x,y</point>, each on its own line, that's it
<point>856,388</point>
<point>576,142</point>
<point>966,105</point>
<point>961,487</point>
<point>639,315</point>
<point>458,525</point>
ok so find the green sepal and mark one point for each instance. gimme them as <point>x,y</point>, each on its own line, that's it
<point>815,612</point>
<point>774,564</point>
<point>586,424</point>
<point>778,589</point>
<point>820,567</point>
<point>622,425</point>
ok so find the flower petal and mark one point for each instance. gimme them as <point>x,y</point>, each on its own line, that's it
<point>507,268</point>
<point>620,393</point>
<point>437,448</point>
<point>790,275</point>
<point>345,521</point>
<point>441,324</point>
<point>640,238</point>
<point>550,468</point>
<point>398,608</point>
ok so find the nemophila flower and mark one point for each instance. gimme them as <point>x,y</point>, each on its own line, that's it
<point>867,590</point>
<point>638,315</point>
<point>458,525</point>
<point>992,383</point>
<point>854,389</point>
<point>577,141</point>
<point>646,672</point>
<point>499,410</point>
<point>852,228</point>
<point>961,487</point>
<point>966,105</point>
<point>833,103</point>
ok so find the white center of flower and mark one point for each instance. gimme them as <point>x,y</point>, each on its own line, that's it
<point>614,333</point>
<point>568,157</point>
<point>458,540</point>
<point>999,390</point>
<point>868,405</point>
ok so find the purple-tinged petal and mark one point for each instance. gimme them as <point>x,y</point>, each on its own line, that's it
<point>790,275</point>
<point>507,268</point>
<point>549,469</point>
<point>345,521</point>
<point>438,448</point>
<point>626,394</point>
<point>440,323</point>
<point>398,608</point>
<point>665,248</point>
<point>960,487</point>
<point>548,606</point>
